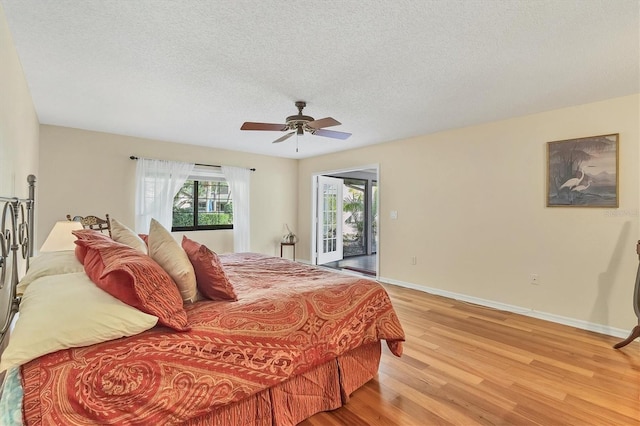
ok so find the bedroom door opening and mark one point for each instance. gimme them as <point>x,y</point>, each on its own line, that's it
<point>345,236</point>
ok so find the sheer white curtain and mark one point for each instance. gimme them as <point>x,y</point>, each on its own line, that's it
<point>157,182</point>
<point>239,182</point>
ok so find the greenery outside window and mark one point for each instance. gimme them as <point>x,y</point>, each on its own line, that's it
<point>354,207</point>
<point>203,205</point>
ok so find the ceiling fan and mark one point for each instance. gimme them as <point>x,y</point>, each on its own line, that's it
<point>299,124</point>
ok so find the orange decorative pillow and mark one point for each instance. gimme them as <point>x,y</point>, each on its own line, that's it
<point>212,281</point>
<point>91,235</point>
<point>135,279</point>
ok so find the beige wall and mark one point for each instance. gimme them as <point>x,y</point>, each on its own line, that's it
<point>84,172</point>
<point>471,208</point>
<point>18,120</point>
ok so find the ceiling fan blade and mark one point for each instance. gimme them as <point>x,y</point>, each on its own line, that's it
<point>284,138</point>
<point>324,122</point>
<point>331,134</point>
<point>263,126</point>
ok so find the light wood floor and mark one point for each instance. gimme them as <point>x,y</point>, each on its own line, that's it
<point>465,365</point>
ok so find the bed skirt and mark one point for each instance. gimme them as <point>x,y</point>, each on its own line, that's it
<point>324,388</point>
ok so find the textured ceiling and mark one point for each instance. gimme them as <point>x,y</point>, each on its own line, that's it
<point>194,71</point>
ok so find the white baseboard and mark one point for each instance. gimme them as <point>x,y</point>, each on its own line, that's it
<point>584,325</point>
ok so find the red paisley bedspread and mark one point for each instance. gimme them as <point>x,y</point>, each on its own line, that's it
<point>289,318</point>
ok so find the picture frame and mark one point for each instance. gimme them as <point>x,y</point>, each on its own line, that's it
<point>583,172</point>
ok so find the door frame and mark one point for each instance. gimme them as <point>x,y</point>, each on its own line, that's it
<point>314,208</point>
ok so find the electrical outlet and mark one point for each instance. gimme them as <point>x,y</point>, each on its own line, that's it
<point>533,279</point>
<point>414,260</point>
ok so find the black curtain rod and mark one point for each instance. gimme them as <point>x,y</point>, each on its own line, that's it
<point>133,157</point>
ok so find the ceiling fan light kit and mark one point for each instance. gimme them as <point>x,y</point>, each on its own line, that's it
<point>298,124</point>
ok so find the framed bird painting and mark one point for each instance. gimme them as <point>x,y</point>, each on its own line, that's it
<point>583,172</point>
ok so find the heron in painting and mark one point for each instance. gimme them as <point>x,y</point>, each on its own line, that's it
<point>581,188</point>
<point>573,182</point>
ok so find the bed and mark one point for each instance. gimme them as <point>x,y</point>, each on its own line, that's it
<point>293,340</point>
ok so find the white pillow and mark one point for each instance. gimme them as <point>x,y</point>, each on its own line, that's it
<point>124,235</point>
<point>49,263</point>
<point>65,311</point>
<point>166,251</point>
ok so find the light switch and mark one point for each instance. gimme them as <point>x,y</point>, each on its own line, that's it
<point>394,214</point>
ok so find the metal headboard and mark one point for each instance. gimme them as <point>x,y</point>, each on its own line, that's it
<point>16,239</point>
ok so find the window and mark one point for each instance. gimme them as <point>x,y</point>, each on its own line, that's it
<point>203,203</point>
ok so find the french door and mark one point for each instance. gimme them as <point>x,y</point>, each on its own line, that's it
<point>329,230</point>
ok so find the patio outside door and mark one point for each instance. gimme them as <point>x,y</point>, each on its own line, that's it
<point>329,230</point>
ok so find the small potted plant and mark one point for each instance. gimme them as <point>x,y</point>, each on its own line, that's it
<point>290,237</point>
